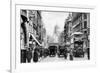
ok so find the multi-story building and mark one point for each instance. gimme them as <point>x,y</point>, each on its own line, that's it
<point>23,29</point>
<point>86,28</point>
<point>61,38</point>
<point>39,26</point>
<point>30,31</point>
<point>81,25</point>
<point>67,29</point>
<point>33,26</point>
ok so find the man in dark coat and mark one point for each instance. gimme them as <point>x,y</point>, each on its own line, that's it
<point>71,54</point>
<point>88,53</point>
<point>29,55</point>
<point>35,56</point>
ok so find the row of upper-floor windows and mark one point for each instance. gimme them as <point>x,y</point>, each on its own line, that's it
<point>80,26</point>
<point>80,18</point>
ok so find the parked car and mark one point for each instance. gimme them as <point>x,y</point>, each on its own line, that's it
<point>52,51</point>
<point>46,52</point>
<point>43,52</point>
<point>62,52</point>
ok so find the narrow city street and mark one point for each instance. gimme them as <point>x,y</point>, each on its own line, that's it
<point>56,59</point>
<point>81,58</point>
<point>69,35</point>
<point>52,59</point>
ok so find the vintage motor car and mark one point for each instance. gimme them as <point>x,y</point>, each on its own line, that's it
<point>52,51</point>
<point>46,52</point>
<point>62,52</point>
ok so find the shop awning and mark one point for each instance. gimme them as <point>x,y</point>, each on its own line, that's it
<point>36,40</point>
<point>77,33</point>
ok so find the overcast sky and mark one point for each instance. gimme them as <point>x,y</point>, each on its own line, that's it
<point>50,19</point>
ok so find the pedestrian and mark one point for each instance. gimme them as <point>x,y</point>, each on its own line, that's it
<point>71,55</point>
<point>29,55</point>
<point>88,53</point>
<point>65,53</point>
<point>35,56</point>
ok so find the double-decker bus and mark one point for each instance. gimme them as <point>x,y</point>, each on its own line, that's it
<point>78,44</point>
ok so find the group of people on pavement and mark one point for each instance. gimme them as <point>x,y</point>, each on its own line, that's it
<point>29,55</point>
